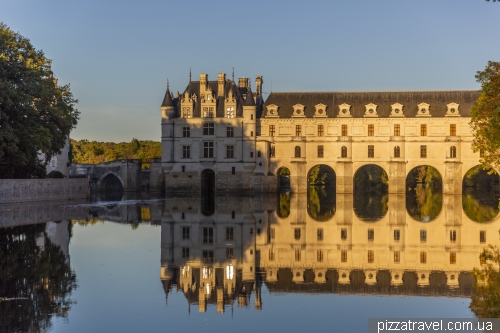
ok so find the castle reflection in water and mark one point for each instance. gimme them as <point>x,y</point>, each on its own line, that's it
<point>221,250</point>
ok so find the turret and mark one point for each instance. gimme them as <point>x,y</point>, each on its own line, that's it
<point>258,85</point>
<point>167,106</point>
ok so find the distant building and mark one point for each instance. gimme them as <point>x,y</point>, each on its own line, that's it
<point>59,162</point>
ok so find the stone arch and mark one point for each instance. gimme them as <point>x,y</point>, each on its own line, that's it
<point>108,180</point>
<point>480,194</point>
<point>371,197</point>
<point>321,192</point>
<point>424,194</point>
<point>283,175</point>
<point>368,165</point>
<point>207,181</point>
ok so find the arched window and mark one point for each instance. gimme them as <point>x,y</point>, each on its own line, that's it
<point>297,151</point>
<point>453,151</point>
<point>397,151</point>
<point>343,151</point>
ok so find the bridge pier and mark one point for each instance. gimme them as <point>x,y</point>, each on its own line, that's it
<point>397,177</point>
<point>298,177</point>
<point>344,173</point>
<point>452,179</point>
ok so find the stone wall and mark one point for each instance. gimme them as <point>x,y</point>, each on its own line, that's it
<point>21,190</point>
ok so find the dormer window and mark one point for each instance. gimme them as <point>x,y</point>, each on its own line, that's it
<point>423,110</point>
<point>186,112</point>
<point>272,110</point>
<point>320,111</point>
<point>208,112</point>
<point>452,110</point>
<point>371,110</point>
<point>397,110</point>
<point>344,110</point>
<point>298,110</point>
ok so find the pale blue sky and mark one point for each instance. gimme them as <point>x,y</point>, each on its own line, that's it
<point>117,55</point>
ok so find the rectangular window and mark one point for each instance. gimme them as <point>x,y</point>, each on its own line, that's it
<point>343,256</point>
<point>371,130</point>
<point>453,258</point>
<point>251,154</point>
<point>271,254</point>
<point>229,151</point>
<point>251,133</point>
<point>230,132</point>
<point>320,151</point>
<point>423,130</point>
<point>186,132</point>
<point>229,233</point>
<point>319,255</point>
<point>397,130</point>
<point>271,130</point>
<point>185,232</point>
<point>185,252</point>
<point>208,129</point>
<point>423,151</point>
<point>371,234</point>
<point>233,214</point>
<point>296,233</point>
<point>208,149</point>
<point>272,152</point>
<point>208,256</point>
<point>343,234</point>
<point>423,257</point>
<point>423,236</point>
<point>344,130</point>
<point>482,236</point>
<point>371,151</point>
<point>229,253</point>
<point>233,170</point>
<point>271,234</point>
<point>453,130</point>
<point>453,236</point>
<point>371,256</point>
<point>259,154</point>
<point>208,235</point>
<point>320,130</point>
<point>320,234</point>
<point>397,235</point>
<point>298,130</point>
<point>396,257</point>
<point>297,255</point>
<point>186,151</point>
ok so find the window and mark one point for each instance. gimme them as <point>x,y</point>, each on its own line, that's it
<point>298,130</point>
<point>343,234</point>
<point>272,151</point>
<point>233,214</point>
<point>186,132</point>
<point>185,252</point>
<point>183,170</point>
<point>229,233</point>
<point>297,151</point>
<point>371,234</point>
<point>397,151</point>
<point>208,149</point>
<point>453,236</point>
<point>397,235</point>
<point>229,151</point>
<point>423,151</point>
<point>233,170</point>
<point>208,256</point>
<point>186,151</point>
<point>296,233</point>
<point>371,256</point>
<point>271,130</point>
<point>320,151</point>
<point>208,235</point>
<point>320,130</point>
<point>320,234</point>
<point>396,257</point>
<point>186,112</point>
<point>371,151</point>
<point>251,116</point>
<point>423,236</point>
<point>482,236</point>
<point>229,253</point>
<point>423,130</point>
<point>251,231</point>
<point>423,257</point>
<point>397,130</point>
<point>230,132</point>
<point>343,256</point>
<point>343,151</point>
<point>259,154</point>
<point>271,254</point>
<point>371,130</point>
<point>344,130</point>
<point>208,112</point>
<point>185,232</point>
<point>453,151</point>
<point>319,255</point>
<point>453,258</point>
<point>208,129</point>
<point>297,255</point>
<point>230,112</point>
<point>453,130</point>
<point>251,133</point>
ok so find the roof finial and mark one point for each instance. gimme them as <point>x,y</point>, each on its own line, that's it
<point>189,74</point>
<point>167,84</point>
<point>233,74</point>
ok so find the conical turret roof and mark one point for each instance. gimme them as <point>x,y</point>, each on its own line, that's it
<point>249,101</point>
<point>167,100</point>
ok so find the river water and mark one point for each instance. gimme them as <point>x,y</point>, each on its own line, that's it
<point>285,262</point>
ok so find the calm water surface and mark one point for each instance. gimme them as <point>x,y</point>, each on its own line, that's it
<point>223,264</point>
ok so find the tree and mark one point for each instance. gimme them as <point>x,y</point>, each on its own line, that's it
<point>485,115</point>
<point>36,115</point>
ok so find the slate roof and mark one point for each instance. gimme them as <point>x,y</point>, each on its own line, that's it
<point>409,99</point>
<point>167,100</point>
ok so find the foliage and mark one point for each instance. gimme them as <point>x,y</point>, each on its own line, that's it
<point>424,203</point>
<point>481,177</point>
<point>93,152</point>
<point>284,172</point>
<point>284,204</point>
<point>485,114</point>
<point>36,115</point>
<point>371,178</point>
<point>485,303</point>
<point>369,206</point>
<point>321,175</point>
<point>321,202</point>
<point>426,175</point>
<point>480,206</point>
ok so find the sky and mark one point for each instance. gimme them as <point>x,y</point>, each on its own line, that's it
<point>117,55</point>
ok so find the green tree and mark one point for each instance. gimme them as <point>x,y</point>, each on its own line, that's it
<point>485,115</point>
<point>36,115</point>
<point>485,302</point>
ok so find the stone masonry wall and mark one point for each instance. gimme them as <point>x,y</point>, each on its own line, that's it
<point>20,190</point>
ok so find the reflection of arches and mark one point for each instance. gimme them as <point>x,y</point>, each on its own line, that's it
<point>321,202</point>
<point>283,204</point>
<point>424,203</point>
<point>207,181</point>
<point>283,175</point>
<point>369,206</point>
<point>297,151</point>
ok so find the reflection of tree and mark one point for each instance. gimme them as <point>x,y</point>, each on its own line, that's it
<point>284,202</point>
<point>371,178</point>
<point>37,281</point>
<point>321,202</point>
<point>485,302</point>
<point>370,207</point>
<point>480,206</point>
<point>424,203</point>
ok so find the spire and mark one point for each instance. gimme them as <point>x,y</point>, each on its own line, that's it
<point>249,101</point>
<point>189,74</point>
<point>233,74</point>
<point>167,100</point>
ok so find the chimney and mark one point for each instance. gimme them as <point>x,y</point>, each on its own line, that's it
<point>258,85</point>
<point>221,79</point>
<point>203,82</point>
<point>242,82</point>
